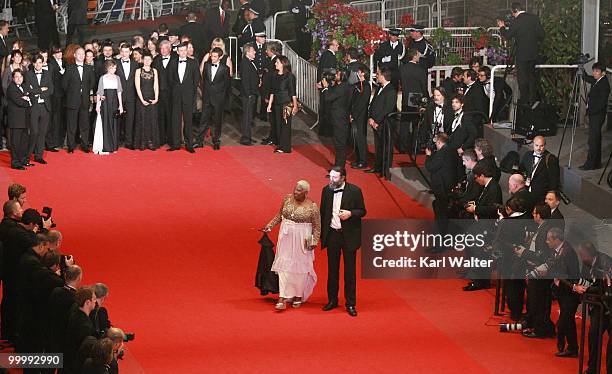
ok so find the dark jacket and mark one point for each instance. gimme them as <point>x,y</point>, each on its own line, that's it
<point>489,201</point>
<point>79,327</point>
<point>163,72</point>
<point>215,89</point>
<point>527,33</point>
<point>18,109</point>
<point>464,134</point>
<point>195,32</point>
<point>188,88</point>
<point>598,95</point>
<point>383,103</point>
<point>352,200</point>
<point>128,86</point>
<point>339,98</point>
<point>414,80</point>
<point>249,79</point>
<point>76,91</point>
<point>476,103</point>
<point>442,165</point>
<point>385,54</point>
<point>34,89</point>
<point>328,61</point>
<point>546,176</point>
<point>77,12</point>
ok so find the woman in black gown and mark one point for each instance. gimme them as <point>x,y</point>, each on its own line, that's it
<point>283,103</point>
<point>108,105</point>
<point>146,130</point>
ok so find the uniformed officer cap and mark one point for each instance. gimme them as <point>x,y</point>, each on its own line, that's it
<point>395,32</point>
<point>261,33</point>
<point>419,28</point>
<point>254,10</point>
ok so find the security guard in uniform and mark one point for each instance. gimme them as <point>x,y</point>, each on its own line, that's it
<point>390,52</point>
<point>428,55</point>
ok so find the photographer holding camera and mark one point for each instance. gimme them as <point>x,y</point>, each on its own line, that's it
<point>414,85</point>
<point>527,33</point>
<point>337,92</point>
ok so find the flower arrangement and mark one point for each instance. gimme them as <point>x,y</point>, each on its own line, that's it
<point>336,19</point>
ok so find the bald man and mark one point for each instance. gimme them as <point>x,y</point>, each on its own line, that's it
<point>541,169</point>
<point>519,191</point>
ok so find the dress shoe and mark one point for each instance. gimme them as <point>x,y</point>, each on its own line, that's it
<point>269,142</point>
<point>330,306</point>
<point>265,140</point>
<point>359,165</point>
<point>351,311</point>
<point>29,164</point>
<point>52,149</point>
<point>247,143</point>
<point>371,171</point>
<point>130,147</point>
<point>198,145</point>
<point>86,150</point>
<point>533,335</point>
<point>569,354</point>
<point>40,161</point>
<point>18,167</point>
<point>190,150</point>
<point>216,147</point>
<point>70,150</point>
<point>172,149</point>
<point>472,287</point>
<point>278,150</point>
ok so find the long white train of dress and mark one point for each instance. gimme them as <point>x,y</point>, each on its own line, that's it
<point>98,141</point>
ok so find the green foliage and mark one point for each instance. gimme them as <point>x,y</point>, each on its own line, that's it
<point>453,58</point>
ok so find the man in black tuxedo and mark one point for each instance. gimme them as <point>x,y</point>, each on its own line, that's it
<point>472,188</point>
<point>527,33</point>
<point>597,108</point>
<point>126,70</point>
<point>216,79</point>
<point>461,130</point>
<point>475,101</point>
<point>78,83</point>
<point>249,90</point>
<point>107,54</point>
<point>60,302</point>
<point>18,115</point>
<point>383,104</point>
<point>183,78</point>
<point>39,83</point>
<point>553,200</point>
<point>57,124</point>
<point>77,20</point>
<point>565,270</point>
<point>79,326</point>
<point>360,102</point>
<point>414,82</point>
<point>342,208</point>
<point>454,84</point>
<point>46,24</point>
<point>541,169</point>
<point>161,62</point>
<point>328,61</point>
<point>196,33</point>
<point>216,24</point>
<point>338,95</point>
<point>442,165</point>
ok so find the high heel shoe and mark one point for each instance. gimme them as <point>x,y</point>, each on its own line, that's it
<point>281,305</point>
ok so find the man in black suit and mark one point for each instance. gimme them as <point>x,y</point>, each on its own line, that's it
<point>216,24</point>
<point>485,209</point>
<point>107,54</point>
<point>4,46</point>
<point>475,101</point>
<point>454,84</point>
<point>527,33</point>
<point>519,191</point>
<point>161,63</point>
<point>183,78</point>
<point>57,125</point>
<point>18,112</point>
<point>472,188</point>
<point>77,20</point>
<point>44,17</point>
<point>196,33</point>
<point>541,169</point>
<point>360,102</point>
<point>383,104</point>
<point>78,83</point>
<point>79,326</point>
<point>327,62</point>
<point>126,70</point>
<point>442,165</point>
<point>342,208</point>
<point>249,90</point>
<point>597,108</point>
<point>553,200</point>
<point>461,130</point>
<point>564,272</point>
<point>39,84</point>
<point>502,92</point>
<point>60,302</point>
<point>338,95</point>
<point>216,79</point>
<point>414,82</point>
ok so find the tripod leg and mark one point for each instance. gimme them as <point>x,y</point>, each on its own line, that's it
<point>605,168</point>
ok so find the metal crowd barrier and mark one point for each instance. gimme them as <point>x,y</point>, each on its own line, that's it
<point>306,77</point>
<point>272,21</point>
<point>235,54</point>
<point>388,13</point>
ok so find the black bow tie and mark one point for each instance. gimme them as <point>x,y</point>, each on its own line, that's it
<point>457,115</point>
<point>165,58</point>
<point>215,65</point>
<point>182,61</point>
<point>339,190</point>
<point>537,156</point>
<point>79,66</point>
<point>439,106</point>
<point>38,73</point>
<point>125,61</point>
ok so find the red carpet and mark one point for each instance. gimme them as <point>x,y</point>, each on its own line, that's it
<point>174,236</point>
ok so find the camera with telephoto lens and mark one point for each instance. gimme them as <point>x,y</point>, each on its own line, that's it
<point>507,327</point>
<point>418,99</point>
<point>329,75</point>
<point>46,215</point>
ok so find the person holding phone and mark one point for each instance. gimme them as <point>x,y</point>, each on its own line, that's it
<point>146,130</point>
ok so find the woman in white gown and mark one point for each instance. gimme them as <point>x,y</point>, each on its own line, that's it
<point>108,107</point>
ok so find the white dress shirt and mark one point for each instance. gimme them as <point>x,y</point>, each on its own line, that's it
<point>213,71</point>
<point>182,65</point>
<point>165,61</point>
<point>126,68</point>
<point>335,221</point>
<point>457,121</point>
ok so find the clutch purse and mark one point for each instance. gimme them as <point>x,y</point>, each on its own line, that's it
<point>309,242</point>
<point>288,110</point>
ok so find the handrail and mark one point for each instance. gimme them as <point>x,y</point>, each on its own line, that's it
<point>150,6</point>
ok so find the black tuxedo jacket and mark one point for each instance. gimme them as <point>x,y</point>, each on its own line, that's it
<point>527,32</point>
<point>195,32</point>
<point>18,109</point>
<point>76,91</point>
<point>598,95</point>
<point>249,78</point>
<point>339,98</point>
<point>528,201</point>
<point>186,90</point>
<point>451,87</point>
<point>490,163</point>
<point>472,189</point>
<point>383,103</point>
<point>546,176</point>
<point>34,89</point>
<point>60,303</point>
<point>360,103</point>
<point>566,267</point>
<point>268,76</point>
<point>489,200</point>
<point>475,102</point>
<point>447,110</point>
<point>386,52</point>
<point>128,86</point>
<point>352,199</point>
<point>328,60</point>
<point>58,90</point>
<point>557,219</point>
<point>464,135</point>
<point>4,48</point>
<point>215,89</point>
<point>442,166</point>
<point>414,80</point>
<point>542,252</point>
<point>77,12</point>
<point>163,77</point>
<point>18,241</point>
<point>79,327</point>
<point>99,66</point>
